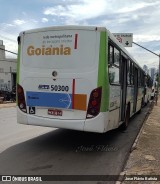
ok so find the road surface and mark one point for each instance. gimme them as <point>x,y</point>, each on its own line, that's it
<point>31,150</point>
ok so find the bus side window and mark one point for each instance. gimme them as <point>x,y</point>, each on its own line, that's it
<point>128,73</point>
<point>131,73</point>
<point>143,79</point>
<point>110,59</point>
<point>110,63</point>
<point>114,58</point>
<point>139,78</point>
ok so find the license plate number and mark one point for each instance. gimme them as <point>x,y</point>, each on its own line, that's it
<point>55,112</point>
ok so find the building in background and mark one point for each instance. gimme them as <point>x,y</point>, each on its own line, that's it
<point>7,70</point>
<point>145,68</point>
<point>153,73</point>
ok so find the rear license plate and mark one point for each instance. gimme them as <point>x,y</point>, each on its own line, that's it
<point>55,112</point>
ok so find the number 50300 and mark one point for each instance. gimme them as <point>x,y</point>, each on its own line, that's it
<point>59,88</point>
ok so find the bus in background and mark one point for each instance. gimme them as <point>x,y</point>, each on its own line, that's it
<point>154,91</point>
<point>76,77</point>
<point>148,89</point>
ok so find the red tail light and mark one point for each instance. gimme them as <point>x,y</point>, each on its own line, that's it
<point>94,103</point>
<point>21,99</point>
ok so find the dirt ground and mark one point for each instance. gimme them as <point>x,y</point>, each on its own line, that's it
<point>144,160</point>
<point>7,105</point>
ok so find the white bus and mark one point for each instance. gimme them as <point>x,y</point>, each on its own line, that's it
<point>77,78</point>
<point>148,89</point>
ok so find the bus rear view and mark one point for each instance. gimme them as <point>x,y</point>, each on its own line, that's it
<point>59,83</point>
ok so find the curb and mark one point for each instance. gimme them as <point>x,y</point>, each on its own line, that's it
<point>134,145</point>
<point>7,105</point>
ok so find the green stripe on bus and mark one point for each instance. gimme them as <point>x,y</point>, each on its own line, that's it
<point>102,71</point>
<point>18,64</point>
<point>107,76</point>
<point>18,67</point>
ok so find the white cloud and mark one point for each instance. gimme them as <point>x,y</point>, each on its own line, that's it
<point>44,20</point>
<point>9,25</point>
<point>34,21</point>
<point>19,22</point>
<point>146,38</point>
<point>85,10</point>
<point>131,8</point>
<point>54,10</point>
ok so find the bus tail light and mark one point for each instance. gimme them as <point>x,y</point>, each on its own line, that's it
<point>21,99</point>
<point>94,103</point>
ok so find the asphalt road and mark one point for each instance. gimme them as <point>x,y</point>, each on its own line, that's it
<point>30,150</point>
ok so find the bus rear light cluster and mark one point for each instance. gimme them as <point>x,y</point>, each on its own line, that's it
<point>94,103</point>
<point>21,99</point>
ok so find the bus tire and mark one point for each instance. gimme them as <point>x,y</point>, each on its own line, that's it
<point>126,121</point>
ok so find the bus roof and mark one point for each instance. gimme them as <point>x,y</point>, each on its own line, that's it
<point>90,28</point>
<point>56,28</point>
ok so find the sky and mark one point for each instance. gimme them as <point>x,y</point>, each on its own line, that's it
<point>140,17</point>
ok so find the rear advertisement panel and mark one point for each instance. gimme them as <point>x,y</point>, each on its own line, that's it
<point>72,49</point>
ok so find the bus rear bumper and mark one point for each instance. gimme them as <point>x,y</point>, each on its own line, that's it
<point>97,124</point>
<point>28,119</point>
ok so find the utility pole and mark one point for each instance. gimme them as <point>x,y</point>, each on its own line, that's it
<point>158,67</point>
<point>152,53</point>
